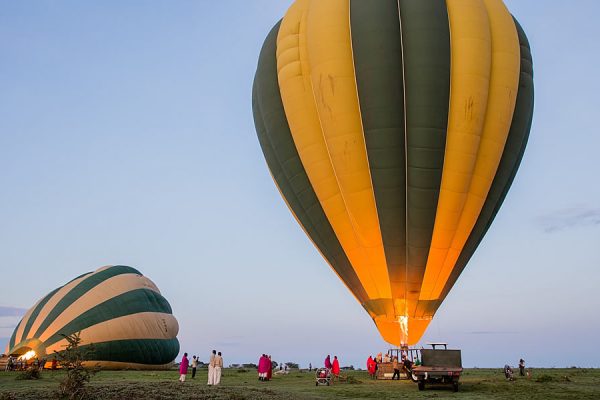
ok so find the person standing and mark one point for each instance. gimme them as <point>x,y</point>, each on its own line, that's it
<point>194,366</point>
<point>328,362</point>
<point>309,367</point>
<point>522,367</point>
<point>259,367</point>
<point>371,367</point>
<point>396,368</point>
<point>270,368</point>
<point>335,368</point>
<point>183,368</point>
<point>217,369</point>
<point>262,368</point>
<point>211,368</point>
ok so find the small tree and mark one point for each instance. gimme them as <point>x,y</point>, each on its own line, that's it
<point>73,386</point>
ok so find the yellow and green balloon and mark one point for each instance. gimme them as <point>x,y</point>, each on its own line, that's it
<point>393,130</point>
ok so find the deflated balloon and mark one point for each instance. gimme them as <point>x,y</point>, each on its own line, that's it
<point>116,308</point>
<point>393,130</point>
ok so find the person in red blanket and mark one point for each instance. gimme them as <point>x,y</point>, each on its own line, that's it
<point>371,367</point>
<point>335,368</point>
<point>183,367</point>
<point>328,362</point>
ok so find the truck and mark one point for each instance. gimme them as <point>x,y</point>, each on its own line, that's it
<point>439,365</point>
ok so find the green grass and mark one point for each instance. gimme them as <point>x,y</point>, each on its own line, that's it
<point>475,384</point>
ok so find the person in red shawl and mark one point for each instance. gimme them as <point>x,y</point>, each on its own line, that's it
<point>269,368</point>
<point>328,362</point>
<point>371,367</point>
<point>262,372</point>
<point>335,368</point>
<point>263,368</point>
<point>183,368</point>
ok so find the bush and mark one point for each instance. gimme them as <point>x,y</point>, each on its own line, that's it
<point>73,386</point>
<point>353,381</point>
<point>544,378</point>
<point>29,374</point>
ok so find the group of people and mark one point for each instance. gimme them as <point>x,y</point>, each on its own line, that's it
<point>265,368</point>
<point>508,372</point>
<point>334,366</point>
<point>18,364</point>
<point>215,367</point>
<point>397,365</point>
<point>372,366</point>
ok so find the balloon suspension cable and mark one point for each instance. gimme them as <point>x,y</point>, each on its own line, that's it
<point>403,319</point>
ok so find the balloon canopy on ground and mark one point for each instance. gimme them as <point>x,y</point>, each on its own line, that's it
<point>393,130</point>
<point>116,308</point>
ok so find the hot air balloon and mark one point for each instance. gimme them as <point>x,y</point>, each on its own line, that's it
<point>115,308</point>
<point>393,130</point>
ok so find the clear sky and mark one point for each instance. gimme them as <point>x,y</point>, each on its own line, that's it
<point>126,137</point>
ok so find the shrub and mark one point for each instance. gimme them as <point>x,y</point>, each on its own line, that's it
<point>544,378</point>
<point>73,386</point>
<point>352,380</point>
<point>29,373</point>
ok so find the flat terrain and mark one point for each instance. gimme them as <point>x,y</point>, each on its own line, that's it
<point>574,383</point>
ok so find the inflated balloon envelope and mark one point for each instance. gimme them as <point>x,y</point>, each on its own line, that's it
<point>115,308</point>
<point>393,130</point>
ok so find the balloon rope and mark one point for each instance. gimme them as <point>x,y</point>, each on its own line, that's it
<point>404,326</point>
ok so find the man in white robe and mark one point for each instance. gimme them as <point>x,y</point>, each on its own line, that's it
<point>218,368</point>
<point>211,368</point>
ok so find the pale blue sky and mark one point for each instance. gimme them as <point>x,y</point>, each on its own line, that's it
<point>126,137</point>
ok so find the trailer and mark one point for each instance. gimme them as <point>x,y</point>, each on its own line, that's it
<point>439,366</point>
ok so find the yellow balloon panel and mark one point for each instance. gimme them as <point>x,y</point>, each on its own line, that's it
<point>333,154</point>
<point>469,87</point>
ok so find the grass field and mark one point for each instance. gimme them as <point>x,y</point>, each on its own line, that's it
<point>575,383</point>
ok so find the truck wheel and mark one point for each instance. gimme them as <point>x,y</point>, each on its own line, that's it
<point>455,386</point>
<point>421,385</point>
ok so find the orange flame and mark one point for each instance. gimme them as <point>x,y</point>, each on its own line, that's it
<point>27,356</point>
